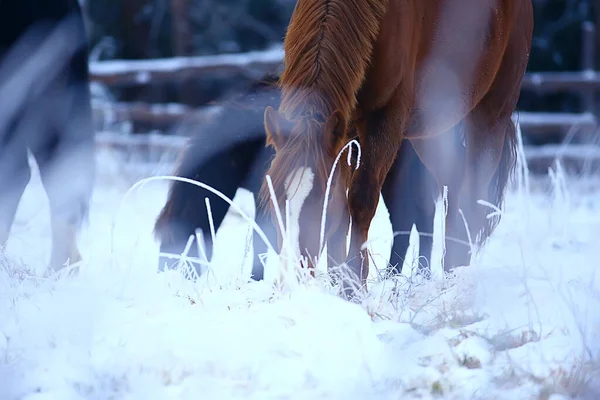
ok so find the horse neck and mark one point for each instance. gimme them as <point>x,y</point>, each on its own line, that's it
<point>328,48</point>
<point>304,107</point>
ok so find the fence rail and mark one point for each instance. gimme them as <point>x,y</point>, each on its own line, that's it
<point>115,73</point>
<point>255,64</point>
<point>142,72</point>
<point>155,149</point>
<point>168,115</point>
<point>559,81</point>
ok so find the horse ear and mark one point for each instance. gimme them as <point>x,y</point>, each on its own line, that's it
<point>335,128</point>
<point>273,126</point>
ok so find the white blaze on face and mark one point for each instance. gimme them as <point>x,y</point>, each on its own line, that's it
<point>297,188</point>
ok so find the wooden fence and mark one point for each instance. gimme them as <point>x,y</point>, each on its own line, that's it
<point>148,150</point>
<point>120,73</point>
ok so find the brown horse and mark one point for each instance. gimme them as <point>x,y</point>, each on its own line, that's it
<point>394,70</point>
<point>228,152</point>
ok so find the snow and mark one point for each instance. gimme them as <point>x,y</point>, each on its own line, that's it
<point>520,323</point>
<point>144,68</point>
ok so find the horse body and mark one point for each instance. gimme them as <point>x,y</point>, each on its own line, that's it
<point>239,159</point>
<point>44,82</point>
<point>395,70</point>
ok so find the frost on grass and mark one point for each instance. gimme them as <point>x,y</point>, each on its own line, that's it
<point>522,322</point>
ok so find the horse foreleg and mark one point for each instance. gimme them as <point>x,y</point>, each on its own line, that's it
<point>444,157</point>
<point>336,247</point>
<point>424,218</point>
<point>399,198</point>
<point>64,240</point>
<point>380,138</point>
<point>69,203</point>
<point>66,217</point>
<point>426,192</point>
<point>14,177</point>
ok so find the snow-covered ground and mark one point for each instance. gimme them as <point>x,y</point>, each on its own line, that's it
<point>521,323</point>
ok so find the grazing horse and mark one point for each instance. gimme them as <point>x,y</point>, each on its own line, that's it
<point>229,152</point>
<point>242,161</point>
<point>393,70</point>
<point>44,84</point>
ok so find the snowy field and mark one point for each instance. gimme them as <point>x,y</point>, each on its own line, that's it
<point>521,323</point>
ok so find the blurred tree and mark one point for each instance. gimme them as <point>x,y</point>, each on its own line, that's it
<point>146,28</point>
<point>181,31</point>
<point>225,26</point>
<point>139,29</point>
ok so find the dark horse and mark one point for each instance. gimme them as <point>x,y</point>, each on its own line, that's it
<point>228,152</point>
<point>44,85</point>
<point>393,70</point>
<point>241,160</point>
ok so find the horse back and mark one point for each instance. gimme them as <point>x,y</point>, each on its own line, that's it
<point>431,53</point>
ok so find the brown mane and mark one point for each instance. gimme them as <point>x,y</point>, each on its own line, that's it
<point>327,52</point>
